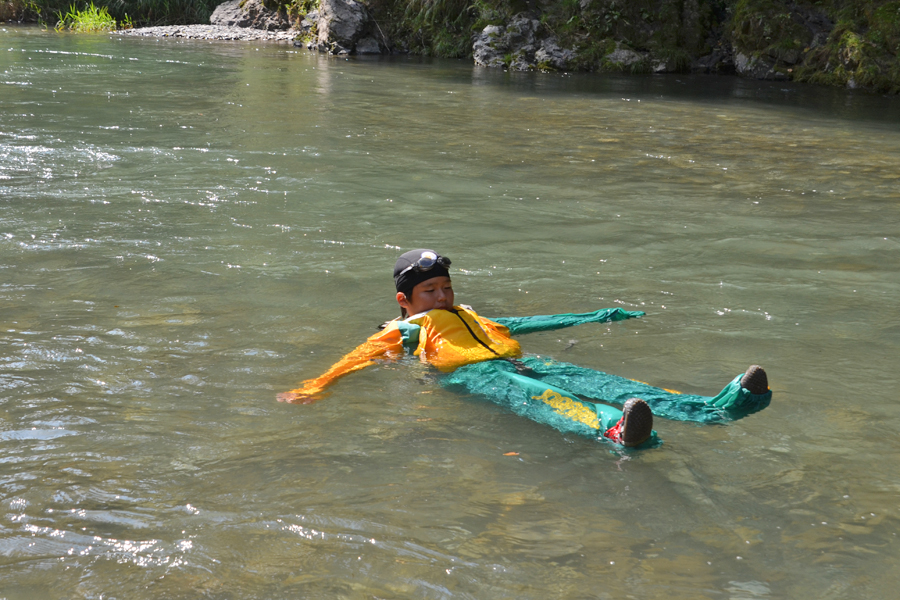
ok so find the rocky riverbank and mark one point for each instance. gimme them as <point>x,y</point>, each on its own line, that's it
<point>850,43</point>
<point>212,32</point>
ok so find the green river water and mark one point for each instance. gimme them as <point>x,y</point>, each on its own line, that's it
<point>189,228</point>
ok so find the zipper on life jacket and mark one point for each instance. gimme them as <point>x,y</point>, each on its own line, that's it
<point>477,339</point>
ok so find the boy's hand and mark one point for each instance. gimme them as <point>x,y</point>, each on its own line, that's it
<point>295,397</point>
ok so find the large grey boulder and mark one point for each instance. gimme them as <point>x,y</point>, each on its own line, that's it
<point>520,45</point>
<point>368,45</point>
<point>811,30</point>
<point>491,47</point>
<point>720,60</point>
<point>346,27</point>
<point>251,14</point>
<point>550,54</point>
<point>757,67</point>
<point>309,20</point>
<point>622,58</point>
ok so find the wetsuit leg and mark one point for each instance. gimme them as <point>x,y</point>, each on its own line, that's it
<point>733,402</point>
<point>499,381</point>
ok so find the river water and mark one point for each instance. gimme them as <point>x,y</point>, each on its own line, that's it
<point>189,228</point>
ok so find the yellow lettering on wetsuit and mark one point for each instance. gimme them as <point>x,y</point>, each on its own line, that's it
<point>569,408</point>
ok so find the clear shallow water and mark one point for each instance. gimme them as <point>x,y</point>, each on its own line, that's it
<point>188,228</point>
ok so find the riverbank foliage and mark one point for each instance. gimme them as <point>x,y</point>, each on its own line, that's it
<point>89,20</point>
<point>139,13</point>
<point>852,43</point>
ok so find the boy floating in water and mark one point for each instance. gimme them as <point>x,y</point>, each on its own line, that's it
<point>480,357</point>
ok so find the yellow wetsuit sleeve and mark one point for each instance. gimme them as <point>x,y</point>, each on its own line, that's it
<point>384,344</point>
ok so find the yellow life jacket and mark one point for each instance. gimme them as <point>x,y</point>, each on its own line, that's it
<point>452,338</point>
<point>447,339</point>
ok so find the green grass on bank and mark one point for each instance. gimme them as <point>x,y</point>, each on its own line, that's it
<point>90,19</point>
<point>138,12</point>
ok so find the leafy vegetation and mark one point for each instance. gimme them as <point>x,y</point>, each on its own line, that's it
<point>11,10</point>
<point>89,20</point>
<point>440,27</point>
<point>837,42</point>
<point>138,12</point>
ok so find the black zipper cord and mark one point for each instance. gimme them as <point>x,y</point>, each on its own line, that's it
<point>477,339</point>
<point>521,367</point>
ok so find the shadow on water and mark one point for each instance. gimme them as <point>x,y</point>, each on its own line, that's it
<point>714,90</point>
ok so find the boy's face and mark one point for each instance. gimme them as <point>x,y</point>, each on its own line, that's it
<point>436,292</point>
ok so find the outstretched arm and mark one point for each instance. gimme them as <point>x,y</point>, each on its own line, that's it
<point>385,344</point>
<point>519,325</point>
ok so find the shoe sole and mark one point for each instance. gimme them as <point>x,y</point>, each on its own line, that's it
<point>638,423</point>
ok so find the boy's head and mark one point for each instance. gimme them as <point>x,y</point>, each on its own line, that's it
<point>422,281</point>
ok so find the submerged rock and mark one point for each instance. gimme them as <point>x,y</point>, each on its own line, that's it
<point>251,14</point>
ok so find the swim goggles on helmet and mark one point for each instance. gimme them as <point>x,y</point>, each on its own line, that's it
<point>426,262</point>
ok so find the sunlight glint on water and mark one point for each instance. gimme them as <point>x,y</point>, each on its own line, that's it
<point>188,228</point>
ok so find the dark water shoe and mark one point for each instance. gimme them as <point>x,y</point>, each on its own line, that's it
<point>637,422</point>
<point>755,380</point>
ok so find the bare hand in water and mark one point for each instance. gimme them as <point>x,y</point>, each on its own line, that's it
<point>295,398</point>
